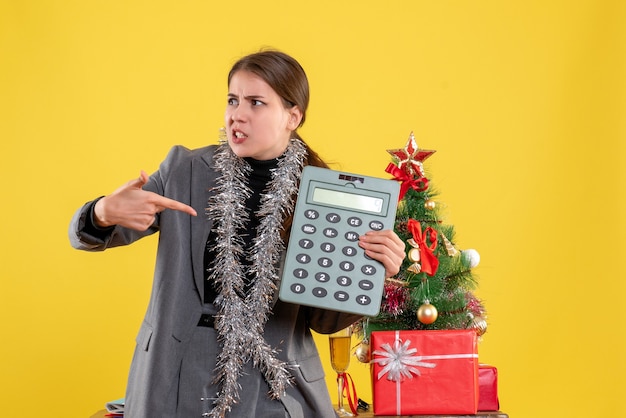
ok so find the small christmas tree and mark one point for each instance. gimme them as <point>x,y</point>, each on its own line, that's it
<point>434,288</point>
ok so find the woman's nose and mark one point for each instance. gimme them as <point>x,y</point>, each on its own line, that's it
<point>237,114</point>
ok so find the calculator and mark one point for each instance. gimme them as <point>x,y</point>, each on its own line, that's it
<point>324,266</point>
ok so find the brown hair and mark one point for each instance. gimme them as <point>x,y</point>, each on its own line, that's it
<point>287,78</point>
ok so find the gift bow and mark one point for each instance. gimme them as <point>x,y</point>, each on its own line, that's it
<point>429,260</point>
<point>418,184</point>
<point>398,361</point>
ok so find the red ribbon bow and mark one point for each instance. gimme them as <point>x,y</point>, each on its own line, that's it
<point>429,261</point>
<point>352,399</point>
<point>418,184</point>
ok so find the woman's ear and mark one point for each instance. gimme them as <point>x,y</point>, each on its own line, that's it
<point>295,117</point>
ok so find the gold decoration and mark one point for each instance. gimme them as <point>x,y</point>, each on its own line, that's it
<point>415,268</point>
<point>396,282</point>
<point>414,256</point>
<point>479,324</point>
<point>363,352</point>
<point>427,313</point>
<point>430,204</point>
<point>410,158</point>
<point>449,247</point>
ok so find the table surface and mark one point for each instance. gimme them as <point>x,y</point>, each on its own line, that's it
<point>368,414</point>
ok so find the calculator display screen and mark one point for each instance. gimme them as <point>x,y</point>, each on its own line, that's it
<point>348,200</point>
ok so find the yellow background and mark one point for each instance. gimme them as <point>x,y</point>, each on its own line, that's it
<point>524,102</point>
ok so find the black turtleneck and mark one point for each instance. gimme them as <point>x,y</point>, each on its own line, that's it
<point>257,181</point>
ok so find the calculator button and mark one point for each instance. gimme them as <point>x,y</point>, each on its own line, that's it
<point>320,292</point>
<point>342,296</point>
<point>303,258</point>
<point>346,266</point>
<point>333,218</point>
<point>368,270</point>
<point>325,262</point>
<point>322,277</point>
<point>351,236</point>
<point>366,285</point>
<point>305,243</point>
<point>308,229</point>
<point>349,251</point>
<point>376,225</point>
<point>300,273</point>
<point>327,247</point>
<point>311,214</point>
<point>363,300</point>
<point>330,232</point>
<point>354,221</point>
<point>297,288</point>
<point>344,281</point>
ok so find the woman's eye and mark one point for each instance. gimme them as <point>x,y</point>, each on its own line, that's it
<point>257,103</point>
<point>232,101</point>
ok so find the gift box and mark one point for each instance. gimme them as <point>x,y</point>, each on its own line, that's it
<point>488,388</point>
<point>424,372</point>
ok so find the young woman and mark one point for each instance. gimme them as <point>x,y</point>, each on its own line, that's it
<point>216,341</point>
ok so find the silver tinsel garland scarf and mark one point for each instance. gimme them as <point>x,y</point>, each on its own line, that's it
<point>241,319</point>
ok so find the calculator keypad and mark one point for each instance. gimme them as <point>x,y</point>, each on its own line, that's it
<point>350,261</point>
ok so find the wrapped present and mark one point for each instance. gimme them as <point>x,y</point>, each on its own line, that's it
<point>488,388</point>
<point>424,372</point>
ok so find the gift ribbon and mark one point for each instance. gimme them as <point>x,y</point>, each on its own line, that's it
<point>399,361</point>
<point>351,395</point>
<point>429,261</point>
<point>418,184</point>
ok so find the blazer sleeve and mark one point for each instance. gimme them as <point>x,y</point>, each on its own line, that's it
<point>325,321</point>
<point>85,235</point>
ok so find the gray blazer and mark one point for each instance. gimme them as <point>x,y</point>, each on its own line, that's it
<point>176,300</point>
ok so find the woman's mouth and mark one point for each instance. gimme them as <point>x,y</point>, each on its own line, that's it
<point>238,137</point>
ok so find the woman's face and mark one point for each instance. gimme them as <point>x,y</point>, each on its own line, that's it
<point>257,123</point>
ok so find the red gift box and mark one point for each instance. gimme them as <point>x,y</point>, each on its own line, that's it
<point>488,388</point>
<point>424,372</point>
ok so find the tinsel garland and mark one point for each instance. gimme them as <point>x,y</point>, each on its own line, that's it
<point>241,318</point>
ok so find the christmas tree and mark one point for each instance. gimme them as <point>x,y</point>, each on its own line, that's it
<point>434,288</point>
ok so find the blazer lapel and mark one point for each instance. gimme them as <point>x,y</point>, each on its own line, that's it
<point>201,183</point>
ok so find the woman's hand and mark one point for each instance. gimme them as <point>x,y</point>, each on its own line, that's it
<point>386,247</point>
<point>132,207</point>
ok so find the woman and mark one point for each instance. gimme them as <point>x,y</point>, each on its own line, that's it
<point>215,340</point>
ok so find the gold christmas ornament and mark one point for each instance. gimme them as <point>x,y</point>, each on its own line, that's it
<point>427,313</point>
<point>449,247</point>
<point>479,324</point>
<point>363,353</point>
<point>415,268</point>
<point>430,204</point>
<point>414,255</point>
